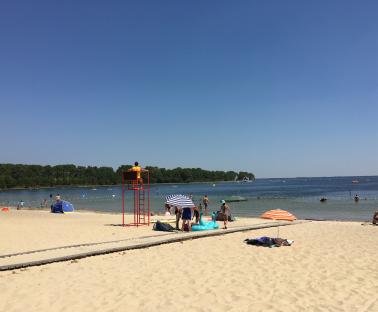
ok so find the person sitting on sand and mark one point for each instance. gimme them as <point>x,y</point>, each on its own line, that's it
<point>375,218</point>
<point>225,209</point>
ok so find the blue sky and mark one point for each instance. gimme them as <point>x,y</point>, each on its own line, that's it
<point>278,88</point>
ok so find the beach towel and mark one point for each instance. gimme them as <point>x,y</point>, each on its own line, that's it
<point>265,241</point>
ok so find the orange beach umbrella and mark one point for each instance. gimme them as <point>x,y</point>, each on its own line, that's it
<point>278,214</point>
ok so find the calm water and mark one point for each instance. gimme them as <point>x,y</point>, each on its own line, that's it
<point>297,195</point>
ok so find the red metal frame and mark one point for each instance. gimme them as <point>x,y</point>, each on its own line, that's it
<point>141,215</point>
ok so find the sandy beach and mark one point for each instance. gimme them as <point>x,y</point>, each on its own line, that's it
<point>330,267</point>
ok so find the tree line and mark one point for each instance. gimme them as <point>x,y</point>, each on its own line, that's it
<point>31,176</point>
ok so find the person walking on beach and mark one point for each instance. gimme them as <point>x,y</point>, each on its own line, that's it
<point>225,210</point>
<point>205,201</point>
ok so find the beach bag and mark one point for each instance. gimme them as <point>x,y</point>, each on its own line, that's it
<point>221,216</point>
<point>282,242</point>
<point>57,208</point>
<point>165,227</point>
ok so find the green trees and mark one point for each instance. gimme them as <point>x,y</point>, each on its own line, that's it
<point>26,176</point>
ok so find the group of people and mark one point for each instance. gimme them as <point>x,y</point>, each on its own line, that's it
<point>190,216</point>
<point>186,214</point>
<point>43,204</point>
<point>356,198</point>
<point>20,204</point>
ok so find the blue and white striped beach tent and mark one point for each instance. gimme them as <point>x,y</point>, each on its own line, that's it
<point>179,200</point>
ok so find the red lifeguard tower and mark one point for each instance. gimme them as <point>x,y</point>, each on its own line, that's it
<point>141,190</point>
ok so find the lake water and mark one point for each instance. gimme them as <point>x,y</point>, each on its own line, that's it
<point>300,196</point>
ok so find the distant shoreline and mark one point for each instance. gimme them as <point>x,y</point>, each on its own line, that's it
<point>181,183</point>
<point>106,185</point>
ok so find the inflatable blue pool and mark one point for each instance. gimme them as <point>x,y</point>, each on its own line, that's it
<point>204,226</point>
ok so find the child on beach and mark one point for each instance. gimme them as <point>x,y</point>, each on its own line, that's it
<point>200,208</point>
<point>205,201</point>
<point>197,214</point>
<point>167,210</point>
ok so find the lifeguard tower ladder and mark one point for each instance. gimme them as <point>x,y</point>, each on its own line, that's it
<point>130,182</point>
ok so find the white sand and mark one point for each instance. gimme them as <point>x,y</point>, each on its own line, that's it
<point>332,266</point>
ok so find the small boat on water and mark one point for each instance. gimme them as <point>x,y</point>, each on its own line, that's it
<point>355,181</point>
<point>244,180</point>
<point>231,199</point>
